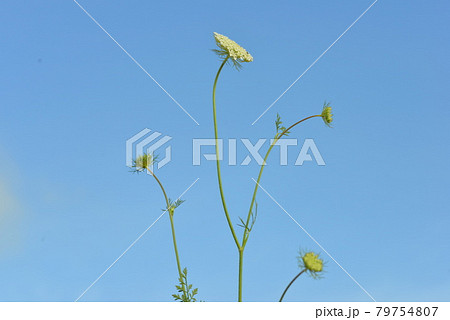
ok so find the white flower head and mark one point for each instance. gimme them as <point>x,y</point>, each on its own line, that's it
<point>229,48</point>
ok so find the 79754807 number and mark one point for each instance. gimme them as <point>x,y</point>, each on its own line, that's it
<point>404,311</point>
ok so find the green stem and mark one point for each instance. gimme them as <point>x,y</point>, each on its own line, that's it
<point>246,234</point>
<point>171,212</point>
<point>162,188</point>
<point>275,140</point>
<point>290,283</point>
<point>219,178</point>
<point>175,244</point>
<point>241,264</point>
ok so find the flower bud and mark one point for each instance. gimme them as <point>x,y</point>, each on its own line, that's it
<point>312,262</point>
<point>327,116</point>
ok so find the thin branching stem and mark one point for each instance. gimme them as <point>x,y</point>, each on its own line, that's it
<point>246,235</point>
<point>172,226</point>
<point>290,283</point>
<point>241,246</point>
<point>277,137</point>
<point>161,186</point>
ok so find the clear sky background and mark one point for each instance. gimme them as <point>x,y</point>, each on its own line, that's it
<point>70,98</point>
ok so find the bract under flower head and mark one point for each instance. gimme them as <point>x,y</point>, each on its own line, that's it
<point>229,48</point>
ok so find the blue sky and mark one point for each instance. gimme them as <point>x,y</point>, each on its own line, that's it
<point>70,98</point>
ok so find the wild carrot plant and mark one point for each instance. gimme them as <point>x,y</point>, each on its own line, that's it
<point>230,52</point>
<point>144,163</point>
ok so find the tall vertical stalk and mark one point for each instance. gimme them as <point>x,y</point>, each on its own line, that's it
<point>241,265</point>
<point>241,245</point>
<point>219,177</point>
